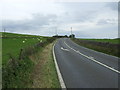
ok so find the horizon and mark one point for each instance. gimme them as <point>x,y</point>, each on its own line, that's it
<point>54,35</point>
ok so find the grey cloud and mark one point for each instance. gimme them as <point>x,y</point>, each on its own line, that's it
<point>77,17</point>
<point>81,12</point>
<point>37,21</point>
<point>112,5</point>
<point>103,32</point>
<point>102,22</point>
<point>106,21</point>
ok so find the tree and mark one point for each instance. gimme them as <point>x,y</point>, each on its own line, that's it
<point>72,36</point>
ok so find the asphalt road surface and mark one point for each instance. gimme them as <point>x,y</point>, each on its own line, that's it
<point>85,68</point>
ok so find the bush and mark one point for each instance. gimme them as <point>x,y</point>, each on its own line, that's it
<point>17,75</point>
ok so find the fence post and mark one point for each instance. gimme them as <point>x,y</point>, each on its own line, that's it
<point>20,55</point>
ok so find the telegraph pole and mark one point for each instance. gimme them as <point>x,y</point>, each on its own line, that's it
<point>4,29</point>
<point>56,31</point>
<point>71,30</point>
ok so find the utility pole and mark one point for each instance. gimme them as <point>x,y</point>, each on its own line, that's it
<point>71,30</point>
<point>4,29</point>
<point>56,30</point>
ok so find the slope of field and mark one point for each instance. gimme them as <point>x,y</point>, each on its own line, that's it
<point>17,66</point>
<point>13,45</point>
<point>4,34</point>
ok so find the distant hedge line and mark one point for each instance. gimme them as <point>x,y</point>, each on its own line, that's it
<point>16,74</point>
<point>105,47</point>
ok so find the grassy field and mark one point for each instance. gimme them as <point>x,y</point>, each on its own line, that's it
<point>4,34</point>
<point>113,41</point>
<point>12,46</point>
<point>17,71</point>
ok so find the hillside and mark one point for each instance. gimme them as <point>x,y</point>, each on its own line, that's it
<point>12,46</point>
<point>18,67</point>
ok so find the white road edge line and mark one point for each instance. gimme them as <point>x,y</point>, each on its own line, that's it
<point>58,71</point>
<point>93,59</point>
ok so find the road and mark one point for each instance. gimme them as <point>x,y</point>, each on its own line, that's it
<point>85,68</point>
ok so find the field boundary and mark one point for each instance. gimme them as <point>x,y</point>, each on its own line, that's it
<point>103,48</point>
<point>98,51</point>
<point>62,84</point>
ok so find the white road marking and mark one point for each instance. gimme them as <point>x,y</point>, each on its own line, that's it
<point>93,59</point>
<point>58,72</point>
<point>64,49</point>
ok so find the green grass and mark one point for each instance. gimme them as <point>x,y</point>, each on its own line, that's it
<point>13,45</point>
<point>5,34</point>
<point>113,41</point>
<point>47,75</point>
<point>18,75</point>
<point>17,72</point>
<point>0,50</point>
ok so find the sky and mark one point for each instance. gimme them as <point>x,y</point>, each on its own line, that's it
<point>51,17</point>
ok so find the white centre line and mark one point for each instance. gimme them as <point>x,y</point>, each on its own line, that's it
<point>93,59</point>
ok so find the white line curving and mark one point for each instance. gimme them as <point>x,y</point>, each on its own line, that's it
<point>93,59</point>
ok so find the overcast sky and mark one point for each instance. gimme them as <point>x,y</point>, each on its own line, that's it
<point>44,17</point>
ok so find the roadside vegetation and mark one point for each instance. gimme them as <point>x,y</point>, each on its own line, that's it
<point>0,50</point>
<point>0,60</point>
<point>112,41</point>
<point>17,66</point>
<point>44,74</point>
<point>108,46</point>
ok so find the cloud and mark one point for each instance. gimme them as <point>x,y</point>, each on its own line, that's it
<point>107,21</point>
<point>88,12</point>
<point>36,22</point>
<point>112,5</point>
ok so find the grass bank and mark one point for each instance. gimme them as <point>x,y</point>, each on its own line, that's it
<point>0,61</point>
<point>44,74</point>
<point>17,64</point>
<point>110,46</point>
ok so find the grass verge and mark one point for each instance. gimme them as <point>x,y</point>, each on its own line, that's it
<point>0,50</point>
<point>105,47</point>
<point>44,74</point>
